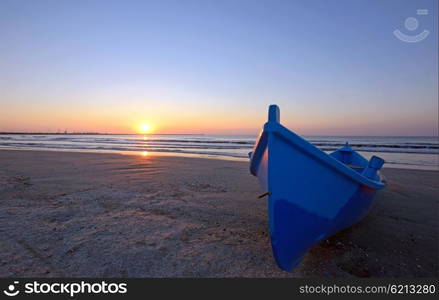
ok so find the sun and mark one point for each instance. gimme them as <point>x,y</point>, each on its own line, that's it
<point>145,128</point>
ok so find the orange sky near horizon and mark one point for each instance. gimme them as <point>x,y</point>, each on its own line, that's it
<point>186,120</point>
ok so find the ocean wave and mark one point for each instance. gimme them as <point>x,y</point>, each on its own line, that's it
<point>403,148</point>
<point>169,147</point>
<point>209,142</point>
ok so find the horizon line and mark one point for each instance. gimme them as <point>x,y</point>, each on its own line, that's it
<point>100,133</point>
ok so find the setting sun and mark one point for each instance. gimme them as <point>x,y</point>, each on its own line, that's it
<point>145,128</point>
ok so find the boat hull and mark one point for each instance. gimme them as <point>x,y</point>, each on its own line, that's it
<point>311,194</point>
<point>294,230</point>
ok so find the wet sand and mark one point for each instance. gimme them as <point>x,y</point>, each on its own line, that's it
<point>108,215</point>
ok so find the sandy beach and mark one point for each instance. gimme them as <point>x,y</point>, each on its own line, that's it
<point>71,214</point>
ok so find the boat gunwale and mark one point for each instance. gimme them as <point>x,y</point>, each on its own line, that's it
<point>276,128</point>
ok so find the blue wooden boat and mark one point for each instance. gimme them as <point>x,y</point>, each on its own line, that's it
<point>311,194</point>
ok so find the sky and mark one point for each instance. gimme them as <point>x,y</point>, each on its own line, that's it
<point>334,67</point>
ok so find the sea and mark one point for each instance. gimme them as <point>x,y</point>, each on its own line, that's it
<point>398,151</point>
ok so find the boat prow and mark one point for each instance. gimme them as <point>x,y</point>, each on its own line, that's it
<point>311,194</point>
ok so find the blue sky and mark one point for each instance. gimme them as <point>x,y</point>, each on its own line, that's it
<point>334,67</point>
